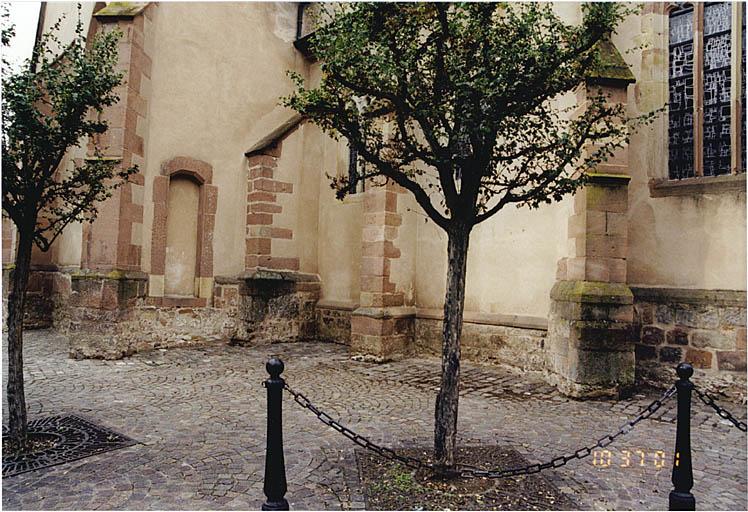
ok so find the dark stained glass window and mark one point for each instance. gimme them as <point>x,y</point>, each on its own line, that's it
<point>717,21</point>
<point>355,178</point>
<point>680,128</point>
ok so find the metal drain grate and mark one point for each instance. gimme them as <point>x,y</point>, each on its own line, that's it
<point>76,439</point>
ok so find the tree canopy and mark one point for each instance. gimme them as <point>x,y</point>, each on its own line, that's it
<point>459,103</point>
<point>49,106</point>
<point>53,103</point>
<point>455,102</point>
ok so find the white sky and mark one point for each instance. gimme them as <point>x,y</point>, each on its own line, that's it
<point>24,15</point>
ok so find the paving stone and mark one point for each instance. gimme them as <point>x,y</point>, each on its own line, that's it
<point>199,413</point>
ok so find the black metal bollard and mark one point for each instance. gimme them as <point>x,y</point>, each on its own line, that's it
<point>681,497</point>
<point>275,466</point>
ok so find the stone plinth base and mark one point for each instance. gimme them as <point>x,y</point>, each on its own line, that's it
<point>382,334</point>
<point>111,317</point>
<point>487,338</point>
<point>276,307</point>
<point>706,328</point>
<point>46,294</point>
<point>590,339</point>
<point>101,311</point>
<point>334,321</point>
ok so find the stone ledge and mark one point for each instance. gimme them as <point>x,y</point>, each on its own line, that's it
<point>177,302</point>
<point>337,305</point>
<point>608,179</point>
<point>48,267</point>
<point>114,274</point>
<point>697,185</point>
<point>263,274</point>
<point>592,291</point>
<point>611,68</point>
<point>386,312</point>
<point>270,128</point>
<point>663,295</point>
<point>121,10</point>
<point>496,319</point>
<point>226,280</point>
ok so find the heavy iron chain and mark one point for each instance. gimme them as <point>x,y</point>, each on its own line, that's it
<point>723,413</point>
<point>466,471</point>
<point>562,460</point>
<point>360,440</point>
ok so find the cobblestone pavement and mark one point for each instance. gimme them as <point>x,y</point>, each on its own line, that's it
<point>199,416</point>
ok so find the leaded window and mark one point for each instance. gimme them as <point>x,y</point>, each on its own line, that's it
<point>706,127</point>
<point>680,132</point>
<point>717,68</point>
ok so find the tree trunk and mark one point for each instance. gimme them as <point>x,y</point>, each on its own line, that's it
<point>17,422</point>
<point>445,430</point>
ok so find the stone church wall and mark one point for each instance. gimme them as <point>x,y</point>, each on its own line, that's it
<point>495,339</point>
<point>110,317</point>
<point>678,237</point>
<point>704,327</point>
<point>280,259</point>
<point>334,321</point>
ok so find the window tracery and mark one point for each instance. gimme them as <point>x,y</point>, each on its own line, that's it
<point>704,104</point>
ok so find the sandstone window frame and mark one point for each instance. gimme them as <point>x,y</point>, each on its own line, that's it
<point>202,173</point>
<point>735,180</point>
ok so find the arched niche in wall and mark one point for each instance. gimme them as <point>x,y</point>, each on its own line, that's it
<point>183,222</point>
<point>181,236</point>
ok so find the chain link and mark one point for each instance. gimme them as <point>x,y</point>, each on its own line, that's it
<point>467,471</point>
<point>360,440</point>
<point>723,413</point>
<point>562,460</point>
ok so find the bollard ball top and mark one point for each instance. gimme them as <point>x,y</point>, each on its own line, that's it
<point>684,371</point>
<point>274,366</point>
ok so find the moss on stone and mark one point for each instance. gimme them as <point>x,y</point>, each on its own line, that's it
<point>592,291</point>
<point>610,65</point>
<point>114,274</point>
<point>115,9</point>
<point>690,296</point>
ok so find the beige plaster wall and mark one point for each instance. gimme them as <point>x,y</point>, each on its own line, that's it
<point>313,144</point>
<point>512,257</point>
<point>511,261</point>
<point>66,251</point>
<point>217,69</point>
<point>340,223</point>
<point>696,241</point>
<point>403,270</point>
<point>299,164</point>
<point>69,245</point>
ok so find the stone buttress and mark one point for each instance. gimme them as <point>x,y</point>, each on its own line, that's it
<point>110,281</point>
<point>382,327</point>
<point>590,339</point>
